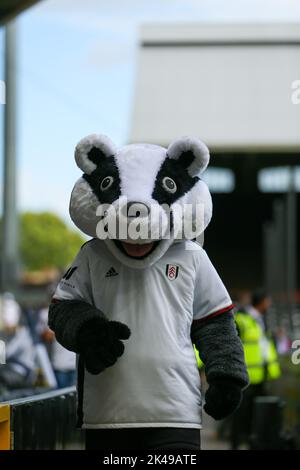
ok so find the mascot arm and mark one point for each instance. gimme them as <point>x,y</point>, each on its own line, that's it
<point>220,348</point>
<point>78,325</point>
<point>82,328</point>
<point>222,353</point>
<point>68,318</point>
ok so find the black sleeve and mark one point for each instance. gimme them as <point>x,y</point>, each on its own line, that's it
<point>220,348</point>
<point>67,317</point>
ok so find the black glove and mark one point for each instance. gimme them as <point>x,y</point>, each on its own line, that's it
<point>222,398</point>
<point>100,343</point>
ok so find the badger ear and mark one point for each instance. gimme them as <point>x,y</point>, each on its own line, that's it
<point>191,152</point>
<point>91,150</point>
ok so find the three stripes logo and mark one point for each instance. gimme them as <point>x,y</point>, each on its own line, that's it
<point>111,272</point>
<point>172,271</point>
<point>69,273</point>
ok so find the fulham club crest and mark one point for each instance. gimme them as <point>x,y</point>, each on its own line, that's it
<point>172,271</point>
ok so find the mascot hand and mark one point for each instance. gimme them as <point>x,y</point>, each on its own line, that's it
<point>100,343</point>
<point>222,398</point>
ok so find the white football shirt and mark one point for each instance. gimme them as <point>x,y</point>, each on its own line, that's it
<point>156,381</point>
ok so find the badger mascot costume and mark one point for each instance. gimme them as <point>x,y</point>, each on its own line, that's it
<point>132,306</point>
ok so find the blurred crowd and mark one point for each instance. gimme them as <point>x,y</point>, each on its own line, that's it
<point>33,357</point>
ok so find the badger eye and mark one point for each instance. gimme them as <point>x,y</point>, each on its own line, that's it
<point>169,185</point>
<point>106,183</point>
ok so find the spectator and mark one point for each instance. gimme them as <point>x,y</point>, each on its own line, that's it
<point>19,370</point>
<point>261,360</point>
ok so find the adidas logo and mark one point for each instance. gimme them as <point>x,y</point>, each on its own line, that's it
<point>111,272</point>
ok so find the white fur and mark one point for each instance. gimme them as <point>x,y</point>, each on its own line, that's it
<point>197,147</point>
<point>199,194</point>
<point>86,144</point>
<point>83,207</point>
<point>138,166</point>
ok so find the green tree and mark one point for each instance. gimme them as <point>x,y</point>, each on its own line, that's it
<point>46,241</point>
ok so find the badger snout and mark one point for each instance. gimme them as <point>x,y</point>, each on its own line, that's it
<point>136,209</point>
<point>140,221</point>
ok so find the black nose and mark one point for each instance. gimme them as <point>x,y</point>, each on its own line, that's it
<point>137,209</point>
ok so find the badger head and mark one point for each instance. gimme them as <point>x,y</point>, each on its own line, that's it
<point>141,198</point>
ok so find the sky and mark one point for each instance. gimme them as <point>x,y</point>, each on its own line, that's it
<point>76,69</point>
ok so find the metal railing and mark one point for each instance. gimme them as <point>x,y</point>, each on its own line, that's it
<point>45,421</point>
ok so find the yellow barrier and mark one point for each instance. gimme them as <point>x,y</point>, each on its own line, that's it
<point>4,427</point>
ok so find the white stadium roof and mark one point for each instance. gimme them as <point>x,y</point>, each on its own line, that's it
<point>230,84</point>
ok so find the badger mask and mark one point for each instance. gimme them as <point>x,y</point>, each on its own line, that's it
<point>141,198</point>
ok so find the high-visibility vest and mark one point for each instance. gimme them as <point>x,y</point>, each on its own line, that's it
<point>261,360</point>
<point>199,362</point>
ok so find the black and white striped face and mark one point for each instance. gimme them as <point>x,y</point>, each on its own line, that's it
<point>143,188</point>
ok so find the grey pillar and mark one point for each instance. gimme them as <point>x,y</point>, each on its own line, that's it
<point>9,255</point>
